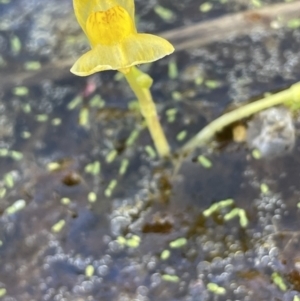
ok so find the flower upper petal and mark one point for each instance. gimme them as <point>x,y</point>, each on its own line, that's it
<point>135,49</point>
<point>83,8</point>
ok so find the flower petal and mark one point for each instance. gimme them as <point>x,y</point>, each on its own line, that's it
<point>83,8</point>
<point>135,49</point>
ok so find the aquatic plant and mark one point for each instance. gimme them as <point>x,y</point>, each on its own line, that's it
<point>116,45</point>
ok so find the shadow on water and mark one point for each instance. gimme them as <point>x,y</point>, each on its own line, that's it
<point>88,212</point>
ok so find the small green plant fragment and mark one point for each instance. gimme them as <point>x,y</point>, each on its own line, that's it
<point>97,102</point>
<point>278,281</point>
<point>293,23</point>
<point>241,213</point>
<point>2,61</point>
<point>256,3</point>
<point>170,278</point>
<point>41,117</point>
<point>52,166</point>
<point>133,105</point>
<point>56,121</point>
<point>296,298</point>
<point>75,102</point>
<point>84,117</point>
<point>206,163</point>
<point>264,188</point>
<point>9,180</point>
<point>123,167</point>
<point>172,69</point>
<point>199,80</point>
<point>150,151</point>
<point>33,65</point>
<point>178,243</point>
<point>26,108</point>
<point>15,207</point>
<point>4,152</point>
<point>93,168</point>
<point>2,292</point>
<point>164,13</point>
<point>15,45</point>
<point>132,137</point>
<point>212,84</point>
<point>217,206</point>
<point>181,135</point>
<point>110,188</point>
<point>133,242</point>
<point>216,289</point>
<point>56,228</point>
<point>92,197</point>
<point>171,114</point>
<point>25,135</point>
<point>20,91</point>
<point>89,271</point>
<point>165,255</point>
<point>232,214</point>
<point>17,156</point>
<point>121,240</point>
<point>111,156</point>
<point>2,192</point>
<point>205,7</point>
<point>65,201</point>
<point>256,154</point>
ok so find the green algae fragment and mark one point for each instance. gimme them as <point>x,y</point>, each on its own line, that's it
<point>2,292</point>
<point>165,255</point>
<point>56,121</point>
<point>182,135</point>
<point>52,166</point>
<point>111,156</point>
<point>41,117</point>
<point>243,218</point>
<point>58,226</point>
<point>171,114</point>
<point>150,151</point>
<point>4,152</point>
<point>164,13</point>
<point>9,180</point>
<point>177,96</point>
<point>92,197</point>
<point>26,108</point>
<point>111,186</point>
<point>132,137</point>
<point>133,241</point>
<point>74,103</point>
<point>15,207</point>
<point>216,289</point>
<point>278,281</point>
<point>134,105</point>
<point>65,201</point>
<point>206,163</point>
<point>172,70</point>
<point>2,61</point>
<point>256,3</point>
<point>17,156</point>
<point>123,167</point>
<point>264,189</point>
<point>232,214</point>
<point>84,117</point>
<point>170,278</point>
<point>256,154</point>
<point>89,271</point>
<point>205,7</point>
<point>212,84</point>
<point>199,80</point>
<point>293,23</point>
<point>93,168</point>
<point>178,243</point>
<point>20,91</point>
<point>217,206</point>
<point>97,102</point>
<point>25,135</point>
<point>2,192</point>
<point>33,65</point>
<point>296,298</point>
<point>121,240</point>
<point>15,44</point>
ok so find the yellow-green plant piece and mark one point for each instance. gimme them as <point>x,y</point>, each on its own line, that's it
<point>56,121</point>
<point>89,271</point>
<point>165,255</point>
<point>217,206</point>
<point>279,282</point>
<point>170,278</point>
<point>123,167</point>
<point>84,117</point>
<point>178,243</point>
<point>216,289</point>
<point>2,292</point>
<point>92,197</point>
<point>264,188</point>
<point>65,201</point>
<point>116,45</point>
<point>33,65</point>
<point>20,91</point>
<point>150,151</point>
<point>15,207</point>
<point>9,180</point>
<point>296,298</point>
<point>110,188</point>
<point>181,135</point>
<point>41,117</point>
<point>133,241</point>
<point>111,156</point>
<point>256,154</point>
<point>206,163</point>
<point>58,226</point>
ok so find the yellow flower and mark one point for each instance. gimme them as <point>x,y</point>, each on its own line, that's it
<point>115,43</point>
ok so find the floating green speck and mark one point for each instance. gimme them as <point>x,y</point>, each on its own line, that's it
<point>243,218</point>
<point>97,102</point>
<point>132,137</point>
<point>278,281</point>
<point>2,192</point>
<point>2,292</point>
<point>26,108</point>
<point>56,121</point>
<point>84,117</point>
<point>212,84</point>
<point>216,289</point>
<point>25,135</point>
<point>296,298</point>
<point>111,156</point>
<point>9,180</point>
<point>134,105</point>
<point>133,241</point>
<point>16,45</point>
<point>58,226</point>
<point>232,214</point>
<point>52,166</point>
<point>205,7</point>
<point>177,96</point>
<point>65,201</point>
<point>264,189</point>
<point>172,70</point>
<point>4,152</point>
<point>256,154</point>
<point>93,168</point>
<point>16,155</point>
<point>217,206</point>
<point>41,117</point>
<point>181,136</point>
<point>164,13</point>
<point>150,151</point>
<point>20,91</point>
<point>89,271</point>
<point>92,197</point>
<point>170,278</point>
<point>111,186</point>
<point>123,166</point>
<point>199,80</point>
<point>293,23</point>
<point>33,65</point>
<point>165,255</point>
<point>178,243</point>
<point>15,207</point>
<point>121,240</point>
<point>206,163</point>
<point>74,103</point>
<point>256,3</point>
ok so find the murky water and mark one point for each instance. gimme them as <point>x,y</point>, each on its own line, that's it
<point>89,212</point>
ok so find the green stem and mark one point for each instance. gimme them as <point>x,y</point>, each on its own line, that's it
<point>140,83</point>
<point>207,133</point>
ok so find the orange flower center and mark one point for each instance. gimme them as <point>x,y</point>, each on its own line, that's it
<point>109,27</point>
